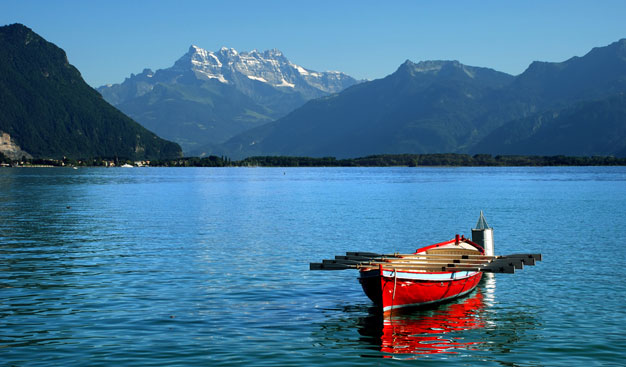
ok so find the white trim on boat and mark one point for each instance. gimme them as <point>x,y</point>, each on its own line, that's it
<point>430,276</point>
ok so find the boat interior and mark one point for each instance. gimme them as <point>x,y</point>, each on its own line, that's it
<point>452,251</point>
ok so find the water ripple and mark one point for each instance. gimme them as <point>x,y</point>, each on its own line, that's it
<point>185,267</point>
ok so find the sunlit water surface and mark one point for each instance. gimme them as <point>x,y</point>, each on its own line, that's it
<point>183,266</point>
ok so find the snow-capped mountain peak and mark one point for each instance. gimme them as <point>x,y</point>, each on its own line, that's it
<point>257,74</point>
<point>207,97</point>
<point>227,52</point>
<point>229,66</point>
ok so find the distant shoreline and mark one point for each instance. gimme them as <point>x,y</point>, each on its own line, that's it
<point>383,160</point>
<point>434,160</point>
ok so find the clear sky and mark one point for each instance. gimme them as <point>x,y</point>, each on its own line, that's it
<point>108,40</point>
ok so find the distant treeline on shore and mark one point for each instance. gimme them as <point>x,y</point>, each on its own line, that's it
<point>383,160</point>
<point>430,160</point>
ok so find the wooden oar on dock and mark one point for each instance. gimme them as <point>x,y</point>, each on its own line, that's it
<point>429,262</point>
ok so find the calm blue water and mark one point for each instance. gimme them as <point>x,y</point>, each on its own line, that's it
<point>158,266</point>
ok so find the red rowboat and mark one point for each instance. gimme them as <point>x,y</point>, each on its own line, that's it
<point>432,274</point>
<point>416,281</point>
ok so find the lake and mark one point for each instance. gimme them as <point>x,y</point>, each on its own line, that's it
<point>210,266</point>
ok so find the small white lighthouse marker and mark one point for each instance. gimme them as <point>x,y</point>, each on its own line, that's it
<point>483,235</point>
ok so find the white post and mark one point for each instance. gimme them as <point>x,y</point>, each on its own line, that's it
<point>483,235</point>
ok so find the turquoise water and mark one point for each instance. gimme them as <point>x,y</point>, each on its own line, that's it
<point>183,266</point>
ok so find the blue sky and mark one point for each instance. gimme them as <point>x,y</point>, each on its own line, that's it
<point>108,40</point>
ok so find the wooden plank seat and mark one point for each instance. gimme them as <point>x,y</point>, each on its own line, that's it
<point>452,251</point>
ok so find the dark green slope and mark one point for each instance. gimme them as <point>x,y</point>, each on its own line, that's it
<point>586,129</point>
<point>51,112</point>
<point>425,107</point>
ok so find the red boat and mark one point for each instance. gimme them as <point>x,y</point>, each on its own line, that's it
<point>419,279</point>
<point>432,274</point>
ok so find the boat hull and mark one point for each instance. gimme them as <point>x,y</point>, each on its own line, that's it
<point>392,289</point>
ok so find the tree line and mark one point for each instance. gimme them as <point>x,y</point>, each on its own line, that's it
<point>383,160</point>
<point>397,160</point>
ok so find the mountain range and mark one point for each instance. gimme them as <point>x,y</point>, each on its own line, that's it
<point>206,97</point>
<point>572,107</point>
<point>48,111</point>
<point>425,107</point>
<point>259,103</point>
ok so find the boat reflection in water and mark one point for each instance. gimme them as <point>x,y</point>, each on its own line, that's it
<point>441,329</point>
